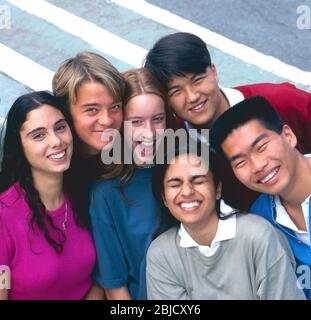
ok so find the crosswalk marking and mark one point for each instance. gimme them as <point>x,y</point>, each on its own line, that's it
<point>99,38</point>
<point>24,70</point>
<point>240,51</point>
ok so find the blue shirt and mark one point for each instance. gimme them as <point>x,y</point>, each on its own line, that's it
<point>123,230</point>
<point>265,207</point>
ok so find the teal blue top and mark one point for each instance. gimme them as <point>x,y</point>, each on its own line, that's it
<point>124,230</point>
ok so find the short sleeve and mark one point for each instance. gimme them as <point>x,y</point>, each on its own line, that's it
<point>6,242</point>
<point>111,269</point>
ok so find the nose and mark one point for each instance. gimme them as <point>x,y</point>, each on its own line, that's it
<point>187,190</point>
<point>104,119</point>
<point>191,94</point>
<point>55,140</point>
<point>258,163</point>
<point>148,131</point>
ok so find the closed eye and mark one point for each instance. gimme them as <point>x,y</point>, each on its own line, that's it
<point>239,164</point>
<point>199,180</point>
<point>174,92</point>
<point>173,185</point>
<point>262,147</point>
<point>198,80</point>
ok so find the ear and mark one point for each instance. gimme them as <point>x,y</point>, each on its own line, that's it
<point>289,135</point>
<point>218,191</point>
<point>214,71</point>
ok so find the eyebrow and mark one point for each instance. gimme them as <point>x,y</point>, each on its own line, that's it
<point>239,155</point>
<point>138,117</point>
<point>32,132</point>
<point>176,179</point>
<point>89,104</point>
<point>191,78</point>
<point>197,75</point>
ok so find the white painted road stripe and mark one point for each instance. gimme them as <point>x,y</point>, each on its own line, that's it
<point>240,51</point>
<point>99,38</point>
<point>24,70</point>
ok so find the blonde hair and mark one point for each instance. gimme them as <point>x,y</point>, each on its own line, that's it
<point>86,66</point>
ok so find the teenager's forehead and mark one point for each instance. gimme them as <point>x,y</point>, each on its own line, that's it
<point>185,76</point>
<point>186,161</point>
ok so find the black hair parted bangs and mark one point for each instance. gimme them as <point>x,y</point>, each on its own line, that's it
<point>178,54</point>
<point>253,108</point>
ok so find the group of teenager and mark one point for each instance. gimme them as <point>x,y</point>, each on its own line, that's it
<point>230,224</point>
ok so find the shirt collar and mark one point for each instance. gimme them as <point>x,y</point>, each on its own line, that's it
<point>226,229</point>
<point>284,219</point>
<point>233,96</point>
<point>282,216</point>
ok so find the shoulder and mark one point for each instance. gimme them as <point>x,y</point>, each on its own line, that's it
<point>11,200</point>
<point>253,227</point>
<point>164,243</point>
<point>264,200</point>
<point>270,89</point>
<point>14,210</point>
<point>102,189</point>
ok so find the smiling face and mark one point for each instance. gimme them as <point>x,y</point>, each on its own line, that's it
<point>95,114</point>
<point>47,141</point>
<point>261,159</point>
<point>189,191</point>
<point>197,97</point>
<point>145,114</point>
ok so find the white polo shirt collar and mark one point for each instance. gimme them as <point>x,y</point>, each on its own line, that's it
<point>284,219</point>
<point>226,230</point>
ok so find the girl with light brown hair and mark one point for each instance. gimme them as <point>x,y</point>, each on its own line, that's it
<point>124,213</point>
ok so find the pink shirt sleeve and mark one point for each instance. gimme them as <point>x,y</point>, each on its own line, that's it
<point>6,242</point>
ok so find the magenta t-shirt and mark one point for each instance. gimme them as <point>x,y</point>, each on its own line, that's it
<point>38,272</point>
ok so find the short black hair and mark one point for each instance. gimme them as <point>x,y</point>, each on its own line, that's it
<point>178,54</point>
<point>253,108</point>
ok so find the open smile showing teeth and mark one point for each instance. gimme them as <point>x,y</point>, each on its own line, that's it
<point>270,176</point>
<point>147,144</point>
<point>190,205</point>
<point>57,156</point>
<point>198,108</point>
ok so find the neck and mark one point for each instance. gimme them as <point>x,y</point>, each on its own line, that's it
<point>50,188</point>
<point>300,187</point>
<point>223,105</point>
<point>205,231</point>
<point>85,151</point>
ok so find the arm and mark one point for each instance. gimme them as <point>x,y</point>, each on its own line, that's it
<point>111,270</point>
<point>96,293</point>
<point>275,276</point>
<point>162,281</point>
<point>118,293</point>
<point>6,256</point>
<point>4,294</point>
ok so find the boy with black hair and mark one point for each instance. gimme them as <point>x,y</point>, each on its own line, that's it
<point>262,153</point>
<point>182,62</point>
